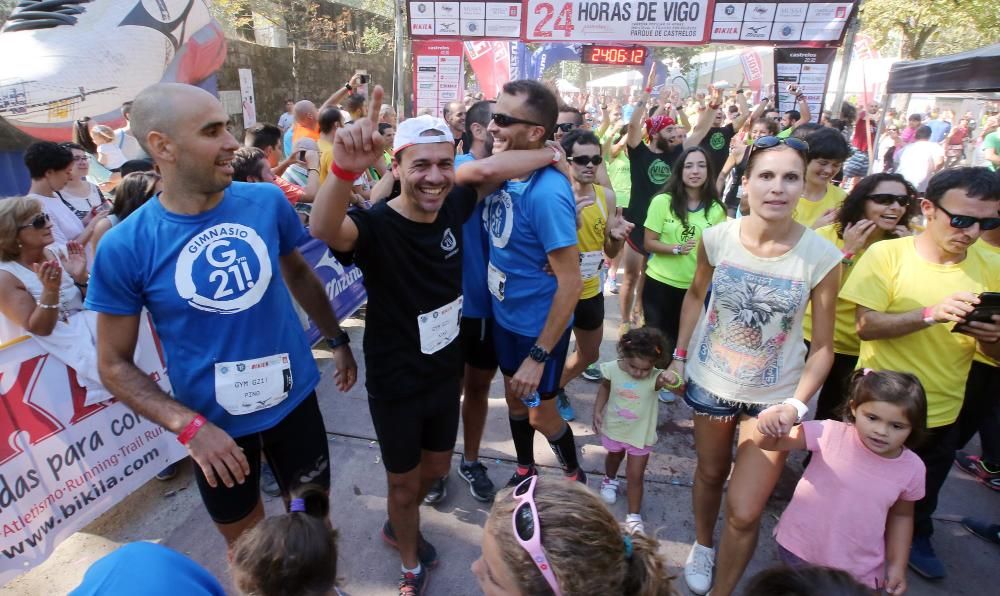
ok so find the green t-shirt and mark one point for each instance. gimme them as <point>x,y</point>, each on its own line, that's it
<point>620,174</point>
<point>992,141</point>
<point>633,406</point>
<point>677,270</point>
<point>786,133</point>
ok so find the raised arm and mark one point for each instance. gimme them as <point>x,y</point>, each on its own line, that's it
<point>343,92</point>
<point>486,175</point>
<point>635,122</point>
<point>741,101</point>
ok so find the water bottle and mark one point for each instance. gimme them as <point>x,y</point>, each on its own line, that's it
<point>532,401</point>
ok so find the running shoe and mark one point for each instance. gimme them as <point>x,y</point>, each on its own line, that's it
<point>609,491</point>
<point>981,529</point>
<point>924,560</point>
<point>268,484</point>
<point>516,478</point>
<point>565,408</point>
<point>698,569</point>
<point>480,485</point>
<point>413,584</point>
<point>592,374</point>
<point>986,473</point>
<point>437,492</point>
<point>667,396</point>
<point>425,550</point>
<point>167,473</point>
<point>633,524</point>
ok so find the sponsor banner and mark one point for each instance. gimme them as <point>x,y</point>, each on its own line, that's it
<point>62,462</point>
<point>343,284</point>
<point>808,69</point>
<point>439,73</point>
<point>781,23</point>
<point>637,21</point>
<point>497,19</point>
<point>246,98</point>
<point>490,62</point>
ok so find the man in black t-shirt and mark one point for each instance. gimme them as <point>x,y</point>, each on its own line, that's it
<point>650,168</point>
<point>410,252</point>
<point>718,137</point>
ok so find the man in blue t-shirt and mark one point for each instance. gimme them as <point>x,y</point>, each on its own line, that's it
<point>531,223</point>
<point>211,260</point>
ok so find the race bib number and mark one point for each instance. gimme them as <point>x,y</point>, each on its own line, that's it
<point>439,327</point>
<point>247,386</point>
<point>590,264</point>
<point>496,280</point>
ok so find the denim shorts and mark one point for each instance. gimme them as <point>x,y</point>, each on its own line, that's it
<point>707,403</point>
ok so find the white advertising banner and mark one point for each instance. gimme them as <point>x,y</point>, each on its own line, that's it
<point>62,462</point>
<point>638,21</point>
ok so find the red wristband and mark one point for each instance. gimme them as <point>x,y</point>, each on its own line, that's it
<point>928,315</point>
<point>343,174</point>
<point>191,429</point>
<point>680,352</point>
<point>649,89</point>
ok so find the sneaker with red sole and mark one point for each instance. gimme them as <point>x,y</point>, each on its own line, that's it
<point>413,584</point>
<point>988,474</point>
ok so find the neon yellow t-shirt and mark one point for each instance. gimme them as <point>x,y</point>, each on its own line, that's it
<point>807,212</point>
<point>590,240</point>
<point>786,133</point>
<point>677,270</point>
<point>892,278</point>
<point>620,174</point>
<point>845,335</point>
<point>991,253</point>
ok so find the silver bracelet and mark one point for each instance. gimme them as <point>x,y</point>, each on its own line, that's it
<point>48,306</point>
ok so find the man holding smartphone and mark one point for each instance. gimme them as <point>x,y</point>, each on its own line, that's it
<point>910,292</point>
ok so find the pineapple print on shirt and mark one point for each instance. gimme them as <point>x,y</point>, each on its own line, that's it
<point>748,322</point>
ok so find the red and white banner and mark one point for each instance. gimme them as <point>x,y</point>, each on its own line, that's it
<point>753,71</point>
<point>63,463</point>
<point>438,74</point>
<point>866,53</point>
<point>490,62</point>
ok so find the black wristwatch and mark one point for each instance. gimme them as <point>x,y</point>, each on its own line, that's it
<point>539,354</point>
<point>342,339</point>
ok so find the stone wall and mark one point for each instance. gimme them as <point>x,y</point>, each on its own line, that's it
<point>316,75</point>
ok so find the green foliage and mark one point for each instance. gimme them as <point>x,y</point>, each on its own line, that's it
<point>682,54</point>
<point>926,28</point>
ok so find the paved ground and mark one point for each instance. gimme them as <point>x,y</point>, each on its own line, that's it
<point>171,512</point>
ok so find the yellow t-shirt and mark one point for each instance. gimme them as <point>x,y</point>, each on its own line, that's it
<point>993,253</point>
<point>325,159</point>
<point>807,212</point>
<point>845,335</point>
<point>892,278</point>
<point>590,239</point>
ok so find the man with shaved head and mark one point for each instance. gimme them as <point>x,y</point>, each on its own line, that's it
<point>306,114</point>
<point>210,259</point>
<point>454,115</point>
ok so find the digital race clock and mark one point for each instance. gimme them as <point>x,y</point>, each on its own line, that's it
<point>615,55</point>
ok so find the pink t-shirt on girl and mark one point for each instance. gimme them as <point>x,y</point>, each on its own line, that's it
<point>838,513</point>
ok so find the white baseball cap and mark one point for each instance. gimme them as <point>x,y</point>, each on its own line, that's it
<point>421,130</point>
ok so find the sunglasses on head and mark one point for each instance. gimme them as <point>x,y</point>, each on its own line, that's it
<point>770,142</point>
<point>567,126</point>
<point>967,221</point>
<point>528,530</point>
<point>38,222</point>
<point>583,160</point>
<point>503,120</point>
<point>889,199</point>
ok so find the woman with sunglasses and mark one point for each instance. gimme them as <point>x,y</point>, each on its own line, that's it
<point>38,289</point>
<point>96,171</point>
<point>877,208</point>
<point>83,197</point>
<point>547,537</point>
<point>688,205</point>
<point>748,367</point>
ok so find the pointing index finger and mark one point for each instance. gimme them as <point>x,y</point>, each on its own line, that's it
<point>376,105</point>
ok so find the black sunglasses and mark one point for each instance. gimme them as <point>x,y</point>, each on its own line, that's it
<point>39,222</point>
<point>967,221</point>
<point>889,199</point>
<point>503,120</point>
<point>770,142</point>
<point>583,160</point>
<point>567,126</point>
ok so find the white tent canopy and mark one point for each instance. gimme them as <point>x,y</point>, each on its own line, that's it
<point>626,78</point>
<point>565,86</point>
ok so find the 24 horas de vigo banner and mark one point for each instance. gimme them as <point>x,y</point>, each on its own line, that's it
<point>63,462</point>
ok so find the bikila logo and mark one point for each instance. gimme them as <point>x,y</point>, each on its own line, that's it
<point>225,269</point>
<point>498,217</point>
<point>448,242</point>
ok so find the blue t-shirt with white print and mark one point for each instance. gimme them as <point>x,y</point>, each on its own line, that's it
<point>526,220</point>
<point>212,283</point>
<point>475,252</point>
